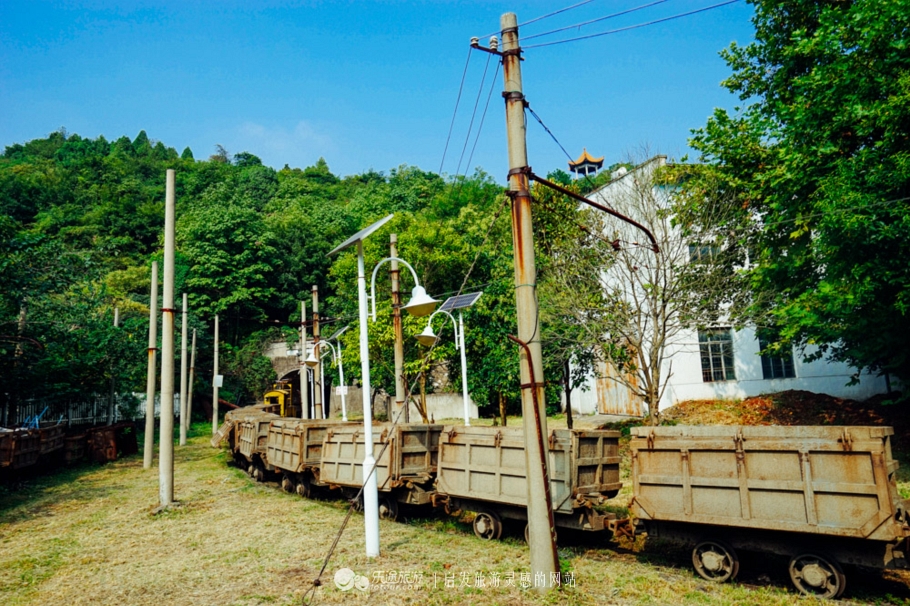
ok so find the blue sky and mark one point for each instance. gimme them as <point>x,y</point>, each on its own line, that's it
<point>362,84</point>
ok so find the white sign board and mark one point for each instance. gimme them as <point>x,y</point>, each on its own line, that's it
<point>341,390</point>
<point>219,380</point>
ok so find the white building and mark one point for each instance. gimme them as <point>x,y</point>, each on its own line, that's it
<point>719,363</point>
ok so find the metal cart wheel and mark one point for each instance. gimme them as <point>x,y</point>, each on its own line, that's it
<point>388,509</point>
<point>303,487</point>
<point>287,484</point>
<point>715,561</point>
<point>487,525</point>
<point>817,576</point>
<point>251,470</point>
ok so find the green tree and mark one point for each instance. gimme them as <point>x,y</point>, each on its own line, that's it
<point>818,167</point>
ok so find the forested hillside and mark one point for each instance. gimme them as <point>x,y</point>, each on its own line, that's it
<point>81,221</point>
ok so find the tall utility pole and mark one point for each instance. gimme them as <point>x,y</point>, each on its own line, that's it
<point>541,531</point>
<point>152,371</point>
<point>215,382</point>
<point>189,395</point>
<point>399,335</point>
<point>317,370</point>
<point>166,435</point>
<point>183,364</point>
<point>112,412</point>
<point>304,384</point>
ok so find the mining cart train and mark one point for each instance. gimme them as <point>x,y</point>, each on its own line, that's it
<point>824,496</point>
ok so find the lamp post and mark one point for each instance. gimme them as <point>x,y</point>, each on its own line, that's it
<point>370,486</point>
<point>420,305</point>
<point>428,338</point>
<point>337,356</point>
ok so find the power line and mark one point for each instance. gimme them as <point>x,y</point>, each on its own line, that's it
<point>467,138</point>
<point>455,113</point>
<point>483,117</point>
<point>547,16</point>
<point>580,25</point>
<point>631,27</point>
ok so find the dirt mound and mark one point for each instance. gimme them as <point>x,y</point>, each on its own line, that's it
<point>788,408</point>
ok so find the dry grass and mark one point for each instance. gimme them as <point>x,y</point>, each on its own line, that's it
<point>90,536</point>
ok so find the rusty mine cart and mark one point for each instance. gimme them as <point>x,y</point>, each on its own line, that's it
<point>824,496</point>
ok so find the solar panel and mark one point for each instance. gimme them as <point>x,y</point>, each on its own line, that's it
<point>363,233</point>
<point>460,301</point>
<point>338,332</point>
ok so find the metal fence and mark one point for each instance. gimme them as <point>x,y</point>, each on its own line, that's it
<point>91,411</point>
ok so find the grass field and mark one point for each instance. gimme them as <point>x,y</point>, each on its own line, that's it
<point>91,535</point>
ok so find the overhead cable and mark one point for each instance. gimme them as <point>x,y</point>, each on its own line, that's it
<point>579,25</point>
<point>631,27</point>
<point>455,113</point>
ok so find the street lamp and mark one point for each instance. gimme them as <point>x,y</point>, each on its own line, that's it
<point>336,355</point>
<point>420,304</point>
<point>370,485</point>
<point>429,338</point>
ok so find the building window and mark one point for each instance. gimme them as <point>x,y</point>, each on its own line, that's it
<point>702,253</point>
<point>774,365</point>
<point>716,346</point>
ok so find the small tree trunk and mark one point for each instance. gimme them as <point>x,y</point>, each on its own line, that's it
<point>502,409</point>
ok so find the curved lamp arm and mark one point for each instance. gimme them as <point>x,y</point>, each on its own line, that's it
<point>373,279</point>
<point>334,352</point>
<point>451,317</point>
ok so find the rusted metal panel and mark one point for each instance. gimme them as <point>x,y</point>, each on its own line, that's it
<point>253,430</point>
<point>489,464</point>
<point>295,445</point>
<point>51,438</point>
<point>613,397</point>
<point>26,448</point>
<point>74,448</point>
<point>102,442</point>
<point>6,447</point>
<point>832,481</point>
<point>410,456</point>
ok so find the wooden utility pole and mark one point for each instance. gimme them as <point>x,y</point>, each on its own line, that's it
<point>541,531</point>
<point>166,434</point>
<point>189,396</point>
<point>317,370</point>
<point>152,371</point>
<point>215,382</point>
<point>304,382</point>
<point>399,335</point>
<point>183,364</point>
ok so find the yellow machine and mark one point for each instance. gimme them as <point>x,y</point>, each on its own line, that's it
<point>280,400</point>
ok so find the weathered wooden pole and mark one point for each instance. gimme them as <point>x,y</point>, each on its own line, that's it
<point>189,397</point>
<point>152,371</point>
<point>304,383</point>
<point>317,370</point>
<point>166,434</point>
<point>399,335</point>
<point>544,560</point>
<point>215,382</point>
<point>183,370</point>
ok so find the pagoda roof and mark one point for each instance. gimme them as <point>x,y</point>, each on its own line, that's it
<point>585,158</point>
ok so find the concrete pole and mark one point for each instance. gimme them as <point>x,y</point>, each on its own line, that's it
<point>183,365</point>
<point>317,371</point>
<point>344,389</point>
<point>371,486</point>
<point>152,371</point>
<point>304,377</point>
<point>215,382</point>
<point>464,372</point>
<point>399,335</point>
<point>112,413</point>
<point>166,433</point>
<point>189,396</point>
<point>544,559</point>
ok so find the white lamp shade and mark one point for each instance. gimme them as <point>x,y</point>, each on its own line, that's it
<point>311,360</point>
<point>421,304</point>
<point>427,337</point>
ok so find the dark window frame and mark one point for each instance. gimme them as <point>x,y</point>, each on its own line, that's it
<point>715,346</point>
